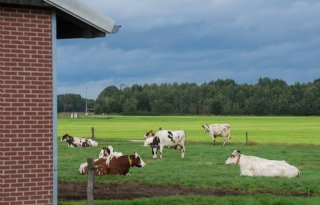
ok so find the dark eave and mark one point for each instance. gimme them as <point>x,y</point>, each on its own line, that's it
<point>74,19</point>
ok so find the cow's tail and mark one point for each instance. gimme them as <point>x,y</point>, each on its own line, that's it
<point>185,135</point>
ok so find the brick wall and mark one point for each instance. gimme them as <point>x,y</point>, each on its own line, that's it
<point>26,106</point>
<point>1,116</point>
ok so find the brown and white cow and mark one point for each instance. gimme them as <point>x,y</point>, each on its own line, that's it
<point>116,165</point>
<point>78,142</point>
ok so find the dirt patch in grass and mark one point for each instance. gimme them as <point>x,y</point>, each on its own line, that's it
<point>78,191</point>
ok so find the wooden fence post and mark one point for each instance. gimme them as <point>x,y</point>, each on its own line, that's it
<point>246,137</point>
<point>92,133</point>
<point>90,185</point>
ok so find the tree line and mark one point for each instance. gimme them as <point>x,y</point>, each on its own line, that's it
<point>220,97</point>
<point>73,103</point>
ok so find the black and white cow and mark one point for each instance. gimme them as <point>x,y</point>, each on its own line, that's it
<point>165,138</point>
<point>107,151</point>
<point>78,142</point>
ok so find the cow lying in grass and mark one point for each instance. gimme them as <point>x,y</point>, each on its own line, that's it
<point>218,130</point>
<point>107,151</point>
<point>255,166</point>
<point>165,138</point>
<point>115,165</point>
<point>78,142</point>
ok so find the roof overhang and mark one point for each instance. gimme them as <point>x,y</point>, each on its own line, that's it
<point>74,20</point>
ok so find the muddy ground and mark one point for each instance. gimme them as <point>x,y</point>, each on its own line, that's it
<point>78,191</point>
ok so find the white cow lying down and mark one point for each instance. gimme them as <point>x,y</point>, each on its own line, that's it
<point>255,166</point>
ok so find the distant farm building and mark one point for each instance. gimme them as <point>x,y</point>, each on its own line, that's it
<point>28,148</point>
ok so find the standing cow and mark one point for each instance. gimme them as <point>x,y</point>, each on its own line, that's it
<point>218,130</point>
<point>256,166</point>
<point>165,138</point>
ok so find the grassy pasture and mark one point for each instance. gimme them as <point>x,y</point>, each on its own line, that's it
<point>292,130</point>
<point>294,139</point>
<point>202,167</point>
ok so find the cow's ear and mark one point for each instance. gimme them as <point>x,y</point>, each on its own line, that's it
<point>239,151</point>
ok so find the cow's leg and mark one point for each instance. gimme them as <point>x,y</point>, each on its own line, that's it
<point>161,148</point>
<point>224,141</point>
<point>154,152</point>
<point>182,150</point>
<point>214,140</point>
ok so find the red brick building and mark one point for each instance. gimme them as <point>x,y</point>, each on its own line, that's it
<point>28,30</point>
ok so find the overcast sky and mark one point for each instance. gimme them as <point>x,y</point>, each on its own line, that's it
<point>166,41</point>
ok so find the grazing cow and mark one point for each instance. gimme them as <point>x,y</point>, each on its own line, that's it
<point>117,165</point>
<point>255,166</point>
<point>78,142</point>
<point>165,138</point>
<point>218,130</point>
<point>149,134</point>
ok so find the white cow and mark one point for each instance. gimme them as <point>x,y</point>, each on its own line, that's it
<point>165,138</point>
<point>255,166</point>
<point>218,130</point>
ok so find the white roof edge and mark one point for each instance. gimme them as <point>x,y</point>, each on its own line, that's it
<point>85,14</point>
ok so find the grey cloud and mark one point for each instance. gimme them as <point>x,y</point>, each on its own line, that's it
<point>195,41</point>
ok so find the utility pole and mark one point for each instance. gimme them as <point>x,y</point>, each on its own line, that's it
<point>86,102</point>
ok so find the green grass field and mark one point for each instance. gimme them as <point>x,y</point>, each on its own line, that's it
<point>294,139</point>
<point>292,130</point>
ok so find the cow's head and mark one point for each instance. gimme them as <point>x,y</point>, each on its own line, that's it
<point>65,137</point>
<point>149,134</point>
<point>205,127</point>
<point>155,146</point>
<point>69,139</point>
<point>234,157</point>
<point>148,141</point>
<point>136,160</point>
<point>106,151</point>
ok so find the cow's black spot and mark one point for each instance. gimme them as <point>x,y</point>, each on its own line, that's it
<point>170,136</point>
